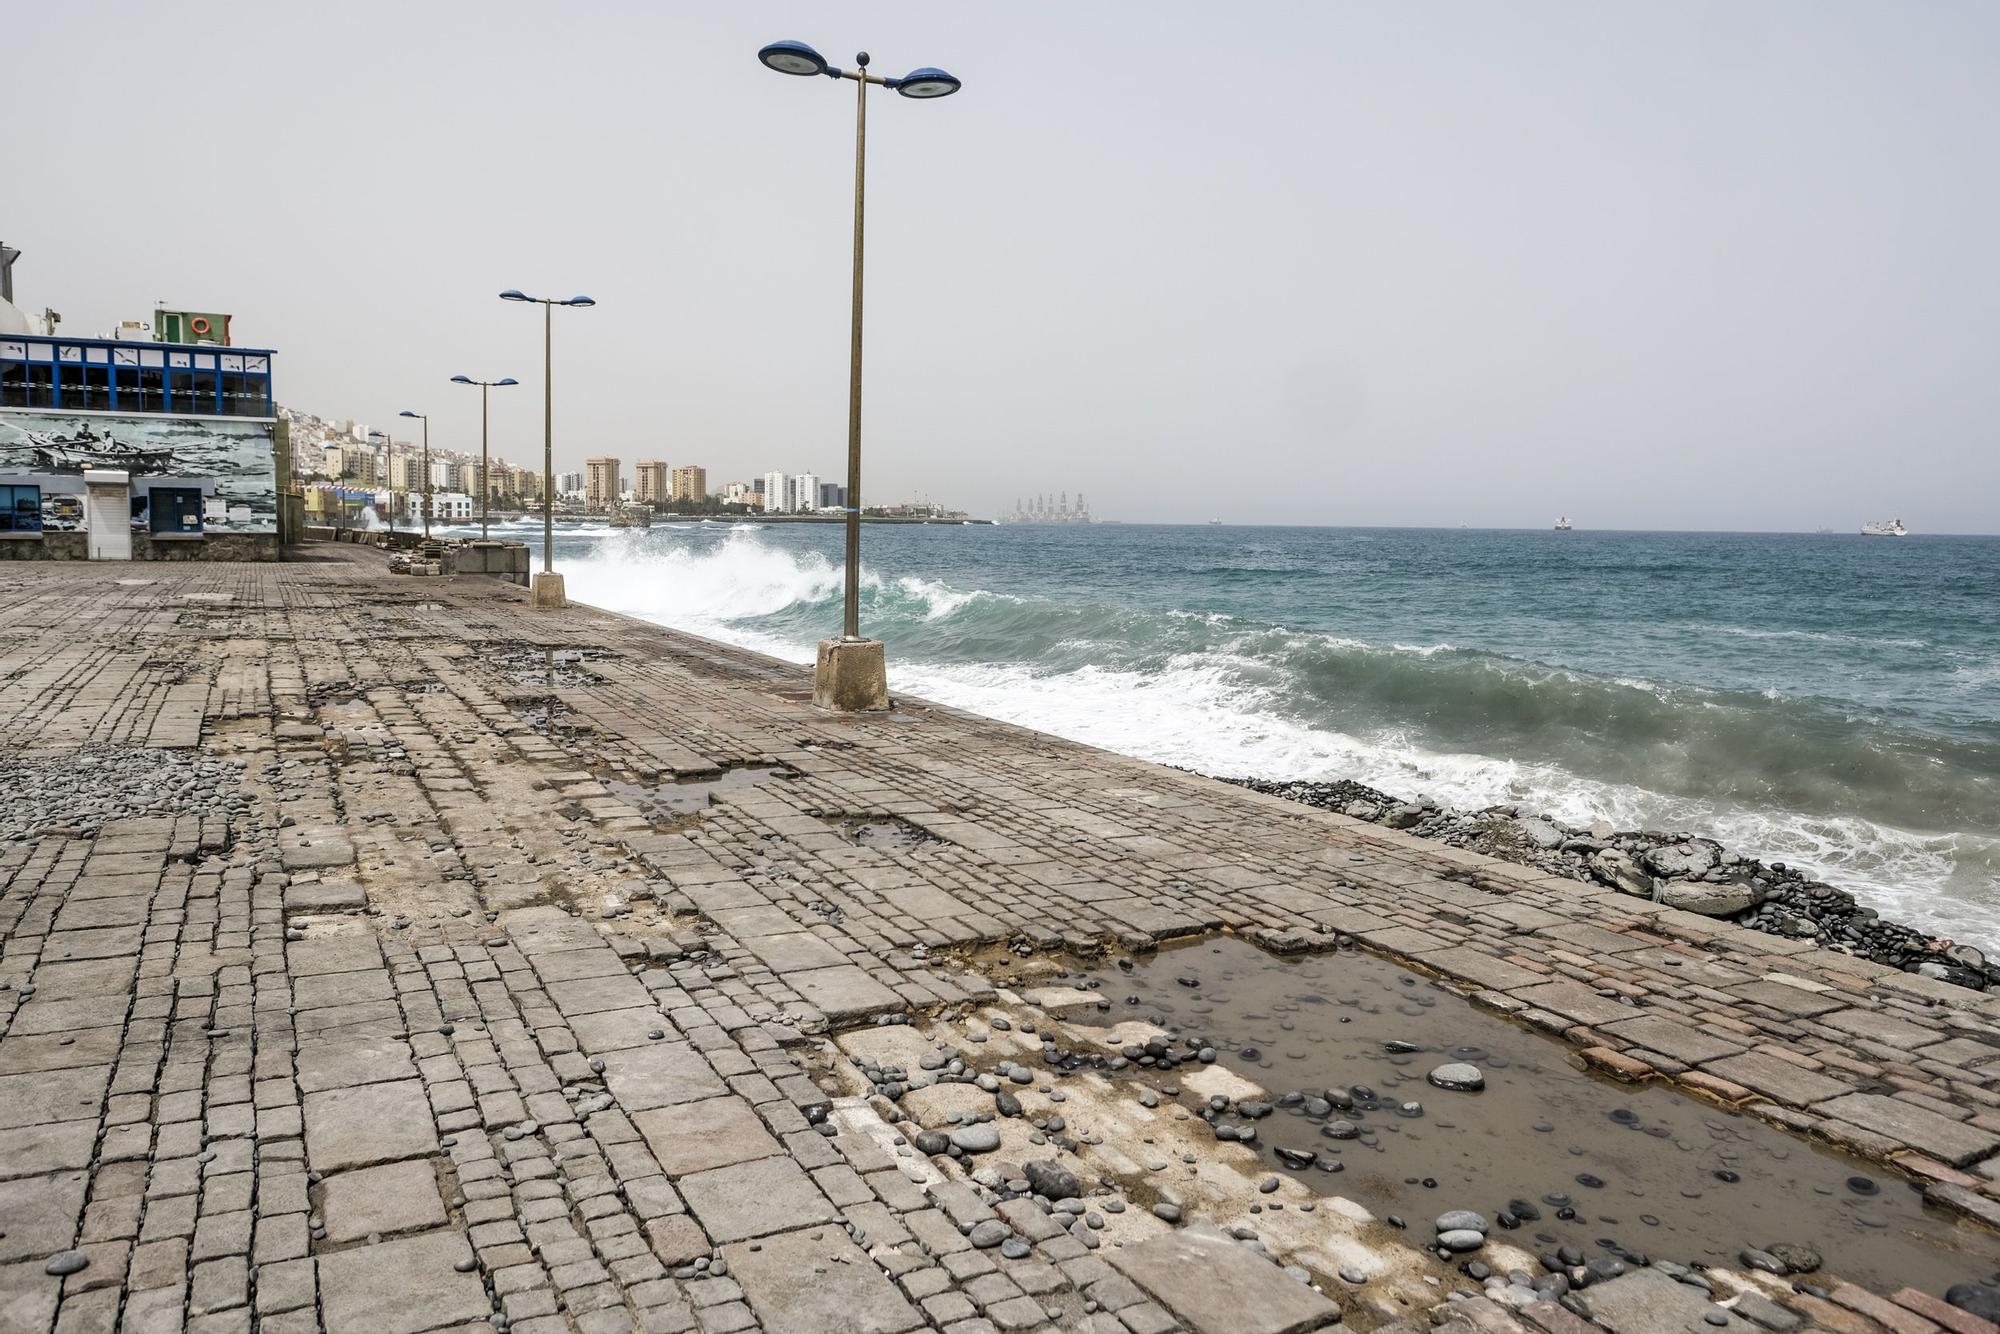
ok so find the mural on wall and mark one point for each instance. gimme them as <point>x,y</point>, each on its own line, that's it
<point>231,463</point>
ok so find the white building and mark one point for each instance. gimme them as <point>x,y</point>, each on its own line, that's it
<point>451,507</point>
<point>805,493</point>
<point>776,498</point>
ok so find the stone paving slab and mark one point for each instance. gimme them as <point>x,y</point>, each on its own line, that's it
<point>412,1016</point>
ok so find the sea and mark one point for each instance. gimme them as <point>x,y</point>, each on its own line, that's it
<point>1831,701</point>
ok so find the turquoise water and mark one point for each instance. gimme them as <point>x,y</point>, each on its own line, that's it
<point>1832,701</point>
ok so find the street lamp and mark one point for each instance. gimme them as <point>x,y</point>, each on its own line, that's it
<point>425,419</point>
<point>548,586</point>
<point>850,673</point>
<point>485,478</point>
<point>388,443</point>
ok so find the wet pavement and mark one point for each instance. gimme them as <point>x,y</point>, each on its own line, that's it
<point>1641,1170</point>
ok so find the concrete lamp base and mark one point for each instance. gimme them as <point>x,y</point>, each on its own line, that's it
<point>546,593</point>
<point>851,676</point>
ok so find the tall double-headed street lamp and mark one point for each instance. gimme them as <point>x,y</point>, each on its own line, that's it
<point>425,419</point>
<point>548,587</point>
<point>485,478</point>
<point>850,673</point>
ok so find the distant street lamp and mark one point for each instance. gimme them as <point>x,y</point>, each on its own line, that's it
<point>427,467</point>
<point>388,443</point>
<point>850,673</point>
<point>548,586</point>
<point>485,478</point>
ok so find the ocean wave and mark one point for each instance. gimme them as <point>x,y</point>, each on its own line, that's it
<point>1907,818</point>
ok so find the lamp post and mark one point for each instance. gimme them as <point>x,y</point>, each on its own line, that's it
<point>425,419</point>
<point>548,586</point>
<point>388,443</point>
<point>485,478</point>
<point>850,672</point>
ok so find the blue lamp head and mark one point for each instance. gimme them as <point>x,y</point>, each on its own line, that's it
<point>515,294</point>
<point>579,301</point>
<point>509,380</point>
<point>927,82</point>
<point>407,413</point>
<point>463,379</point>
<point>790,57</point>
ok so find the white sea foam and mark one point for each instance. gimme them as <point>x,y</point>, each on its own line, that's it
<point>1217,712</point>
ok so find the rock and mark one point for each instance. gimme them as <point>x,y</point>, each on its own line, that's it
<point>66,1262</point>
<point>1459,1076</point>
<point>1976,1298</point>
<point>1614,868</point>
<point>1695,857</point>
<point>1461,1220</point>
<point>1050,1179</point>
<point>1459,1240</point>
<point>1710,898</point>
<point>932,1142</point>
<point>1798,1259</point>
<point>985,1236</point>
<point>1403,816</point>
<point>975,1139</point>
<point>1169,1213</point>
<point>1540,833</point>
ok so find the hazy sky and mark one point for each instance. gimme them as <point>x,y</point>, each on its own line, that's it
<point>1667,266</point>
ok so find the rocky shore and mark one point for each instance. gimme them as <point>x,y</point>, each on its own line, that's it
<point>1685,871</point>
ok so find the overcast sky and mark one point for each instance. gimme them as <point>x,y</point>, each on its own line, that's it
<point>1659,266</point>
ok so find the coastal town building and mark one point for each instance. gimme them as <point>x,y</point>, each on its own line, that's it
<point>600,487</point>
<point>650,482</point>
<point>832,496</point>
<point>804,493</point>
<point>775,497</point>
<point>1049,509</point>
<point>451,507</point>
<point>132,448</point>
<point>569,483</point>
<point>690,483</point>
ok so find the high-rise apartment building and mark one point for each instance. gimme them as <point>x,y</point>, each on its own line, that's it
<point>805,493</point>
<point>776,498</point>
<point>569,483</point>
<point>690,483</point>
<point>832,496</point>
<point>649,484</point>
<point>600,483</point>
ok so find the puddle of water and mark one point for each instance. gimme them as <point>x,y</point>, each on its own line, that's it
<point>890,835</point>
<point>552,668</point>
<point>1645,1169</point>
<point>676,801</point>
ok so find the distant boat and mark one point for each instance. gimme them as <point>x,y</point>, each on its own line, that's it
<point>1563,524</point>
<point>1885,528</point>
<point>1215,523</point>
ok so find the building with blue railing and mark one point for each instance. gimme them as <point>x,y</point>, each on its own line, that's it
<point>135,449</point>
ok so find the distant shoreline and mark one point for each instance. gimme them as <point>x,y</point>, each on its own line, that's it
<point>666,520</point>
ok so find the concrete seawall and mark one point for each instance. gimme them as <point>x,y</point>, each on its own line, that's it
<point>364,970</point>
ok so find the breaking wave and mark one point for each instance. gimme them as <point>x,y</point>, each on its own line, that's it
<point>1865,798</point>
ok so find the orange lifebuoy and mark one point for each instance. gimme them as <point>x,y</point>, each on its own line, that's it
<point>199,324</point>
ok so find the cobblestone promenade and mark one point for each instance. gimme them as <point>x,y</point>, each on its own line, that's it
<point>409,993</point>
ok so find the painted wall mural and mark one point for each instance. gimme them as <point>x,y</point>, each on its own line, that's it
<point>230,462</point>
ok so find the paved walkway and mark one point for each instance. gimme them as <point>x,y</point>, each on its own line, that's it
<point>402,994</point>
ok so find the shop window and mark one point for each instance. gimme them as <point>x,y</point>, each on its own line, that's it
<point>20,509</point>
<point>175,509</point>
<point>245,395</point>
<point>86,388</point>
<point>27,384</point>
<point>142,389</point>
<point>192,392</point>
